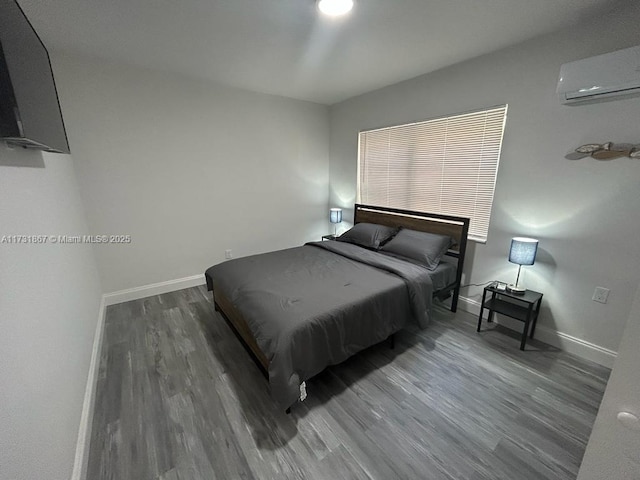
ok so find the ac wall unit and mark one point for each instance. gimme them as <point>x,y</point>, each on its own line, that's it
<point>615,74</point>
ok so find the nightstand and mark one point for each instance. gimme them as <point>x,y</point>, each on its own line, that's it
<point>524,308</point>
<point>329,237</point>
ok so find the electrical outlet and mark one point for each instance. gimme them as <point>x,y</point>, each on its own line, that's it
<point>601,295</point>
<point>228,254</point>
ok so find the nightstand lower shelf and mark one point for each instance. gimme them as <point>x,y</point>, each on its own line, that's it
<point>506,308</point>
<point>524,308</point>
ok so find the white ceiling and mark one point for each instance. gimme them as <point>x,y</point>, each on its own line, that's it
<point>285,47</point>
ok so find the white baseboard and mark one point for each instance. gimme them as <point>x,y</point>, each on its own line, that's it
<point>153,289</point>
<point>86,418</point>
<point>590,351</point>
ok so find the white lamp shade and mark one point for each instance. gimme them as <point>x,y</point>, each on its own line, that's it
<point>523,250</point>
<point>335,215</point>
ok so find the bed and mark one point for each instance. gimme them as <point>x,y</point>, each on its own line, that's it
<point>302,309</point>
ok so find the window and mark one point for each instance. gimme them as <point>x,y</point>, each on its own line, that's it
<point>447,165</point>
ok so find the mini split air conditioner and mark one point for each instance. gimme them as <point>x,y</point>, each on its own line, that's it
<point>615,74</point>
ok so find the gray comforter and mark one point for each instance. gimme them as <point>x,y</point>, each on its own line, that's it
<point>316,305</point>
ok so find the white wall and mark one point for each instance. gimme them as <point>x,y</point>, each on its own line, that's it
<point>190,169</point>
<point>612,452</point>
<point>49,302</point>
<point>586,213</point>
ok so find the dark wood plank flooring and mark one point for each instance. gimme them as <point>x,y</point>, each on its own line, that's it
<point>178,398</point>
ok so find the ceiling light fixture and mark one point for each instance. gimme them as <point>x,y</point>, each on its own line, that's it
<point>335,8</point>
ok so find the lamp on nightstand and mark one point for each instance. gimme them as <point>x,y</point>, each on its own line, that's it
<point>335,217</point>
<point>523,252</point>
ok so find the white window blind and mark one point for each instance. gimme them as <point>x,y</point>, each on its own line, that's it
<point>446,165</point>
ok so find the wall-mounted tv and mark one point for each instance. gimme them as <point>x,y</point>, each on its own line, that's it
<point>30,114</point>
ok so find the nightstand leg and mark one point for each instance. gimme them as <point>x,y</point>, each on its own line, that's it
<point>484,296</point>
<point>526,328</point>
<point>535,317</point>
<point>490,317</point>
<point>523,341</point>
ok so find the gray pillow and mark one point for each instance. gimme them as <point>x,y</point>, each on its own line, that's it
<point>425,248</point>
<point>368,235</point>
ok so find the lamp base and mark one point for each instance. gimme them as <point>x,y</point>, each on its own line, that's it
<point>516,289</point>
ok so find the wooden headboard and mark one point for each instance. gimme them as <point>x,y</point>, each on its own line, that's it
<point>456,227</point>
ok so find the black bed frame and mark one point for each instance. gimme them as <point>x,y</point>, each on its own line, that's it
<point>456,227</point>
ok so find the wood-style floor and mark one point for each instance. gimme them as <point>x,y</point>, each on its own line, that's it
<point>178,397</point>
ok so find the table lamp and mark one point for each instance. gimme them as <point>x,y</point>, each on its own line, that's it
<point>335,217</point>
<point>522,252</point>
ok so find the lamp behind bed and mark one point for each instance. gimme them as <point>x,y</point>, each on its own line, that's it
<point>335,217</point>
